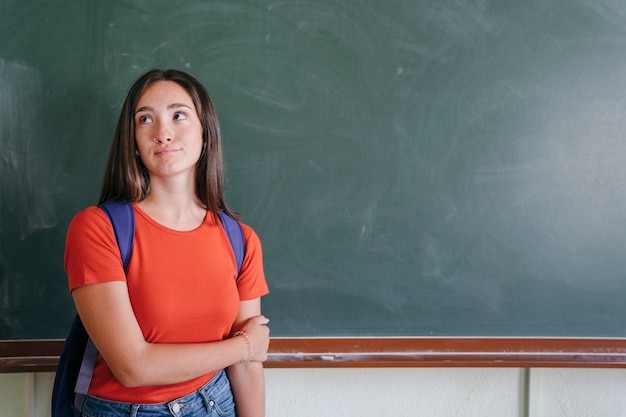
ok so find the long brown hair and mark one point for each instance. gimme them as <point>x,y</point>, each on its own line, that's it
<point>126,177</point>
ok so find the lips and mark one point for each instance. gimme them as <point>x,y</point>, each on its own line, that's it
<point>166,151</point>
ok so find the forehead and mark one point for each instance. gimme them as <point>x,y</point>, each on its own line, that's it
<point>164,93</point>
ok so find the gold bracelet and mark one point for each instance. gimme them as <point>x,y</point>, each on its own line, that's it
<point>248,344</point>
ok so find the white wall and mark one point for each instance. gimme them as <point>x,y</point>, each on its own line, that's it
<point>577,393</point>
<point>409,392</point>
<point>397,392</point>
<point>15,391</point>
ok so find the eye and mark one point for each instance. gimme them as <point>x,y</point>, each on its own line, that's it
<point>180,116</point>
<point>144,119</point>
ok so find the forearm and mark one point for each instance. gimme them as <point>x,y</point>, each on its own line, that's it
<point>159,364</point>
<point>248,384</point>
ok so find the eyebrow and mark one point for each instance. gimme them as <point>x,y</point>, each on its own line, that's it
<point>169,107</point>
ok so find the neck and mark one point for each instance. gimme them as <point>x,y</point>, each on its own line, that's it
<point>174,207</point>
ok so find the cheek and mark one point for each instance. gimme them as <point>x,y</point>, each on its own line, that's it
<point>140,141</point>
<point>143,132</point>
<point>143,147</point>
<point>197,143</point>
<point>197,151</point>
<point>140,146</point>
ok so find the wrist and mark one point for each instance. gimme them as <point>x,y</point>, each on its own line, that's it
<point>249,347</point>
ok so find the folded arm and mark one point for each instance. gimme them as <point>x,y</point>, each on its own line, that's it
<point>107,314</point>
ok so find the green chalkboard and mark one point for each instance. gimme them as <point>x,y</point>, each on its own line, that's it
<point>416,167</point>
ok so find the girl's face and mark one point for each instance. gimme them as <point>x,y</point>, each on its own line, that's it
<point>168,131</point>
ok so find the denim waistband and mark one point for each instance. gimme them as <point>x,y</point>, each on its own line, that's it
<point>214,394</point>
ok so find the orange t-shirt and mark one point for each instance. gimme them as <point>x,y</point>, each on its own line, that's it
<point>181,285</point>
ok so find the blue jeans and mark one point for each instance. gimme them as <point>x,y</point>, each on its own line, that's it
<point>215,399</point>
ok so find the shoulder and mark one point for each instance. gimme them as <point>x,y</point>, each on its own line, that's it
<point>89,214</point>
<point>91,225</point>
<point>89,218</point>
<point>253,249</point>
<point>249,235</point>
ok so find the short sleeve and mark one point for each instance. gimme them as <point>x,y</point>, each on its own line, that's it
<point>251,282</point>
<point>91,252</point>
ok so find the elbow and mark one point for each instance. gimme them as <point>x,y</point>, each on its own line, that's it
<point>132,366</point>
<point>128,378</point>
<point>130,375</point>
<point>129,381</point>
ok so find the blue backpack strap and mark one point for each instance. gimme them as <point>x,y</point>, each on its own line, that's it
<point>122,219</point>
<point>235,235</point>
<point>84,374</point>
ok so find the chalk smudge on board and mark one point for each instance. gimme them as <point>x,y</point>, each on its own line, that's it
<point>25,195</point>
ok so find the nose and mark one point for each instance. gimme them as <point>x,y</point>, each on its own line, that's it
<point>164,134</point>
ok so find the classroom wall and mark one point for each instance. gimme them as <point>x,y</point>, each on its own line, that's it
<point>397,392</point>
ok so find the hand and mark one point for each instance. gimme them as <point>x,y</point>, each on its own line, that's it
<point>259,337</point>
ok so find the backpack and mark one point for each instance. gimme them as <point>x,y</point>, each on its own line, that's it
<point>78,356</point>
